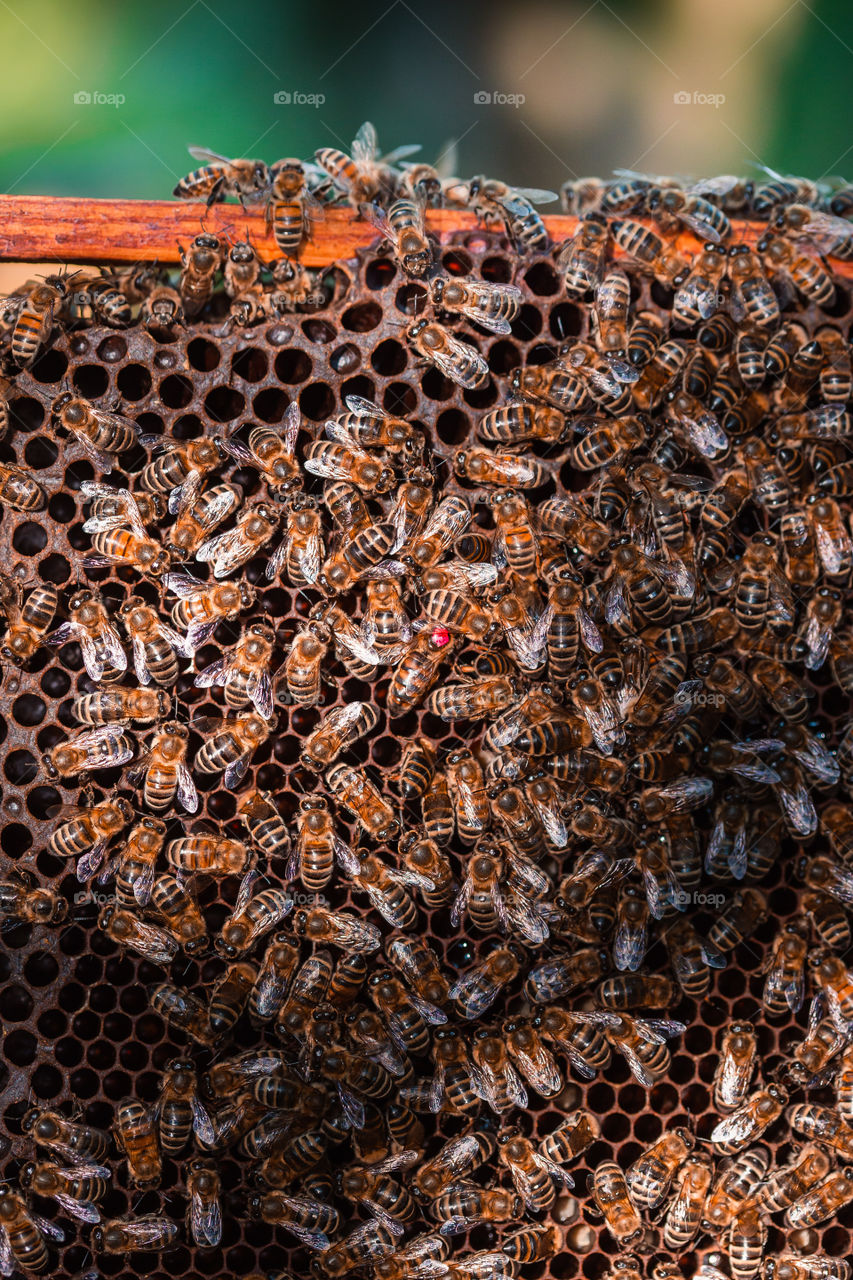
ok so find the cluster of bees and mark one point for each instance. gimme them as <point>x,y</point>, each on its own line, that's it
<point>625,667</point>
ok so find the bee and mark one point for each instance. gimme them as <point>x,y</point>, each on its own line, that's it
<point>291,285</point>
<point>458,361</point>
<point>292,207</point>
<point>805,273</point>
<point>340,459</point>
<point>692,1182</point>
<point>162,309</point>
<point>647,249</point>
<point>821,1202</point>
<point>198,513</point>
<point>118,706</point>
<point>415,1258</point>
<point>636,991</point>
<point>199,265</point>
<point>204,1215</point>
<point>699,296</point>
<point>582,258</point>
<point>302,665</point>
<point>244,671</point>
<point>521,421</point>
<point>423,858</point>
<point>476,991</point>
<point>836,384</point>
<point>739,918</point>
<point>749,1120</point>
<point>229,996</point>
<point>179,914</point>
<point>246,180</point>
<point>252,917</point>
<point>232,744</point>
<point>613,1201</point>
<point>76,1190</point>
<point>371,1185</point>
<point>21,899</point>
<point>309,1219</point>
<point>163,770</point>
<point>183,1011</point>
<point>89,625</point>
<point>734,1188</point>
<point>384,886</point>
<point>100,433</point>
<point>785,985</point>
<point>364,175</point>
<point>736,1067</point>
<point>180,1114</point>
<point>354,790</point>
<point>242,269</point>
<point>418,669</point>
<point>785,1185</point>
<point>106,747</point>
<point>135,1132</point>
<point>825,1125</point>
<point>210,855</point>
<point>23,1242</point>
<point>27,621</point>
<point>338,928</point>
<point>493,306</point>
<point>403,227</point>
<point>337,731</point>
<point>650,1176</point>
<point>791,1266</point>
<point>34,314</point>
<point>746,1240</point>
<point>674,209</point>
<point>494,201</point>
<point>122,540</point>
<point>462,1207</point>
<point>279,965</point>
<point>126,930</point>
<point>19,490</point>
<point>532,1173</point>
<point>562,973</point>
<point>202,606</point>
<point>416,959</point>
<point>300,552</point>
<point>228,551</point>
<point>610,313</point>
<point>81,1144</point>
<point>144,1231</point>
<point>834,981</point>
<point>371,1241</point>
<point>752,297</point>
<point>811,1055</point>
<point>176,460</point>
<point>264,823</point>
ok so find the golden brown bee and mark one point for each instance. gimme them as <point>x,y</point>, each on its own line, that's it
<point>749,1121</point>
<point>127,930</point>
<point>176,460</point>
<point>739,918</point>
<point>562,973</point>
<point>753,299</point>
<point>228,551</point>
<point>825,1125</point>
<point>265,823</point>
<point>75,1142</point>
<point>458,361</point>
<point>135,1131</point>
<point>746,1240</point>
<point>21,899</point>
<point>533,1173</point>
<point>291,285</point>
<point>179,1111</point>
<point>402,225</point>
<point>494,201</point>
<point>806,273</point>
<point>515,534</point>
<point>106,747</point>
<point>412,1256</point>
<point>339,459</point>
<point>647,249</point>
<point>785,985</point>
<point>179,913</point>
<point>424,859</point>
<point>475,991</point>
<point>337,731</point>
<point>162,309</point>
<point>821,1202</point>
<point>155,645</point>
<point>198,513</point>
<point>87,830</point>
<point>700,294</point>
<point>210,855</point>
<point>246,180</point>
<point>204,1215</point>
<point>252,917</point>
<point>279,965</point>
<point>383,885</point>
<point>613,1201</point>
<point>144,1231</point>
<point>229,996</point>
<point>521,421</point>
<point>23,1237</point>
<point>163,770</point>
<point>636,991</point>
<point>300,552</point>
<point>202,606</point>
<point>291,205</point>
<point>338,928</point>
<point>364,175</point>
<point>121,539</point>
<point>785,1185</point>
<point>463,1206</point>
<point>183,1011</point>
<point>366,1244</point>
<point>27,620</point>
<point>19,490</point>
<point>89,625</point>
<point>373,1186</point>
<point>303,662</point>
<point>509,470</point>
<point>817,1266</point>
<point>736,1067</point>
<point>116,706</point>
<point>244,671</point>
<point>649,1177</point>
<point>833,979</point>
<point>418,671</point>
<point>100,433</point>
<point>241,270</point>
<point>35,312</point>
<point>77,1189</point>
<point>494,306</point>
<point>354,790</point>
<point>691,1183</point>
<point>582,258</point>
<point>199,265</point>
<point>473,699</point>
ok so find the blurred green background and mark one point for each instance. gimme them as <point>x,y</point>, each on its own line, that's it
<point>599,79</point>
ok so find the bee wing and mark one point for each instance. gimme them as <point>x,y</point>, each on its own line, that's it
<point>541,1070</point>
<point>402,153</point>
<point>629,946</point>
<point>535,195</point>
<point>616,607</point>
<point>216,673</point>
<point>798,807</point>
<point>206,156</point>
<point>351,642</point>
<point>364,145</point>
<point>818,760</point>
<point>205,1220</point>
<point>328,466</point>
<point>143,884</point>
<point>236,769</point>
<point>352,1107</point>
<point>428,1011</point>
<point>80,1209</point>
<point>468,983</point>
<point>187,793</point>
<point>239,452</point>
<point>140,662</point>
<point>460,902</point>
<point>259,689</point>
<point>354,933</point>
<point>638,1070</point>
<point>704,433</point>
<point>88,864</point>
<point>183,584</point>
<point>198,632</point>
<point>527,920</point>
<point>735,1128</point>
<point>153,943</point>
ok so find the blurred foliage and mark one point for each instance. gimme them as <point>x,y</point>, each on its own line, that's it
<point>598,79</point>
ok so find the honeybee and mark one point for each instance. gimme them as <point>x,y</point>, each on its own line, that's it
<point>303,663</point>
<point>227,551</point>
<point>531,1243</point>
<point>90,626</point>
<point>613,1200</point>
<point>402,225</point>
<point>292,206</point>
<point>354,790</point>
<point>736,1067</point>
<point>21,899</point>
<point>75,1142</point>
<point>364,175</point>
<point>210,855</point>
<point>650,1175</point>
<point>825,1125</point>
<point>23,1235</point>
<point>423,857</point>
<point>232,744</point>
<point>127,930</point>
<point>749,1120</point>
<point>337,731</point>
<point>805,273</point>
<point>198,513</point>
<point>684,1214</point>
<point>366,1244</point>
<point>244,671</point>
<point>785,1185</point>
<point>457,360</point>
<point>700,295</point>
<point>252,917</point>
<point>649,251</point>
<point>484,466</point>
<point>175,461</point>
<point>180,1113</point>
<point>582,258</point>
<point>19,490</point>
<point>27,620</point>
<point>785,985</point>
<point>817,1266</point>
<point>463,1206</point>
<point>199,265</point>
<point>144,1231</point>
<point>533,1173</point>
<point>162,309</point>
<point>183,1011</point>
<point>494,306</point>
<point>246,180</point>
<point>163,770</point>
<point>204,1215</point>
<point>821,1202</point>
<point>300,552</point>
<point>202,606</point>
<point>135,1132</point>
<point>752,297</point>
<point>229,996</point>
<point>106,747</point>
<point>34,312</point>
<point>563,972</point>
<point>76,1190</point>
<point>521,421</point>
<point>279,965</point>
<point>100,433</point>
<point>337,928</point>
<point>122,540</point>
<point>342,460</point>
<point>476,991</point>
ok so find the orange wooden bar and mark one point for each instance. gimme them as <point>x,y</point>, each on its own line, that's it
<point>72,229</point>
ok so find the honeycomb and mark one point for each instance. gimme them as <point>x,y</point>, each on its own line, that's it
<point>78,1032</point>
